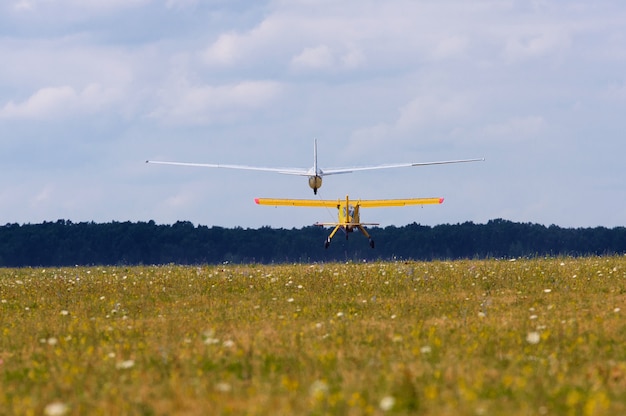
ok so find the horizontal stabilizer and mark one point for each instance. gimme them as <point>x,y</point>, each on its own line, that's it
<point>345,224</point>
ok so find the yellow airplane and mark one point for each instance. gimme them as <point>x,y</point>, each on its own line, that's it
<point>314,173</point>
<point>348,215</point>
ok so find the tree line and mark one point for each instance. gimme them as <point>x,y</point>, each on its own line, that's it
<point>64,243</point>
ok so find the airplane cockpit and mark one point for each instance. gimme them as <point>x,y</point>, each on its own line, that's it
<point>350,211</point>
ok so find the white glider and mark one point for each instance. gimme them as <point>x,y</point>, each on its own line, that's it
<point>314,174</point>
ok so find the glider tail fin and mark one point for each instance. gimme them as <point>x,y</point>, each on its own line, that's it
<point>315,169</point>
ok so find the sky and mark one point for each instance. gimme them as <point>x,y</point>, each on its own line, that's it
<point>91,89</point>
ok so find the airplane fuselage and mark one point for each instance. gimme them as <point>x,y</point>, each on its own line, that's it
<point>315,182</point>
<point>348,213</point>
<point>348,220</point>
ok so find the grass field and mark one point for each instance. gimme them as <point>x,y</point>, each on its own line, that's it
<point>523,337</point>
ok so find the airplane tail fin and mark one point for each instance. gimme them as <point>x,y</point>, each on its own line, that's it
<point>315,169</point>
<point>344,224</point>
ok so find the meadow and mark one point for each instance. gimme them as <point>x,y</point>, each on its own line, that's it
<point>473,337</point>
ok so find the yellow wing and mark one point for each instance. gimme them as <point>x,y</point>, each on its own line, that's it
<point>374,203</point>
<point>297,202</point>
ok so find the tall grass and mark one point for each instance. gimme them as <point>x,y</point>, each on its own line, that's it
<point>540,336</point>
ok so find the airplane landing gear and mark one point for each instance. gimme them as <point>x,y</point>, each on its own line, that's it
<point>371,243</point>
<point>327,243</point>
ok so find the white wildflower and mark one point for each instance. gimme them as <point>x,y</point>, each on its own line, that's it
<point>318,389</point>
<point>223,387</point>
<point>533,337</point>
<point>55,409</point>
<point>125,365</point>
<point>387,403</point>
<point>209,337</point>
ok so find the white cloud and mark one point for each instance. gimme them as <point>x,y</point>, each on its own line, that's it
<point>43,196</point>
<point>93,5</point>
<point>352,58</point>
<point>347,36</point>
<point>318,57</point>
<point>69,61</point>
<point>450,46</point>
<point>430,109</point>
<point>226,50</point>
<point>24,5</point>
<point>428,119</point>
<point>515,129</point>
<point>60,103</point>
<point>203,104</point>
<point>616,91</point>
<point>322,57</point>
<point>45,103</point>
<point>291,37</point>
<point>263,45</point>
<point>181,4</point>
<point>536,45</point>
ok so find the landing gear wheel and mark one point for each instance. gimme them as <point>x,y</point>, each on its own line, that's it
<point>326,243</point>
<point>371,243</point>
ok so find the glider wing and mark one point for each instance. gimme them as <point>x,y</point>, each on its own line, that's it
<point>287,171</point>
<point>334,171</point>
